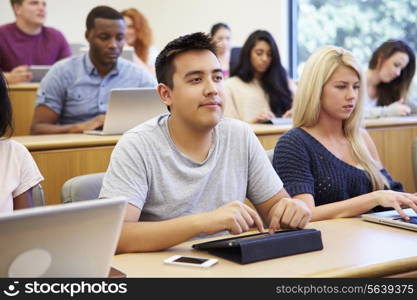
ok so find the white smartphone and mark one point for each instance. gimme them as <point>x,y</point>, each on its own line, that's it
<point>191,261</point>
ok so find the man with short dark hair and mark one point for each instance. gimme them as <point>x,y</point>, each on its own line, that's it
<point>187,173</point>
<point>28,42</point>
<point>74,93</point>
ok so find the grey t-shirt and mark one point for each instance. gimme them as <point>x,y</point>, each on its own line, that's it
<point>147,168</point>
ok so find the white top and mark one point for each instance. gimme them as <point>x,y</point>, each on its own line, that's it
<point>245,101</point>
<point>18,172</point>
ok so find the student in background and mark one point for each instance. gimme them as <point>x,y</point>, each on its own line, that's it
<point>18,171</point>
<point>139,36</point>
<point>28,42</point>
<point>328,160</point>
<point>188,172</point>
<point>74,93</point>
<point>389,76</point>
<point>259,88</point>
<point>221,35</point>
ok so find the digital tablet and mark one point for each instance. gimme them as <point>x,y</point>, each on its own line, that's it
<point>235,241</point>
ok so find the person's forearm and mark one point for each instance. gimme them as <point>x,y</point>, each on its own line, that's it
<point>10,78</point>
<point>343,209</point>
<point>156,236</point>
<point>45,128</point>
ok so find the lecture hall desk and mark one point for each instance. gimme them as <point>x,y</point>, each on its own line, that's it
<point>352,248</point>
<point>61,157</point>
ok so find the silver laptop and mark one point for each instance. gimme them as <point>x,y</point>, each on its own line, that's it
<point>392,218</point>
<point>38,72</point>
<point>67,240</point>
<point>130,107</point>
<point>127,53</point>
<point>278,121</point>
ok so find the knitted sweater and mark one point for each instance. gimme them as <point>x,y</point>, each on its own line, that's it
<point>307,167</point>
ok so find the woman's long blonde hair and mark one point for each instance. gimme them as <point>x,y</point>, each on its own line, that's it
<point>307,104</point>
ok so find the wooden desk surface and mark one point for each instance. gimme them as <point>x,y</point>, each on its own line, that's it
<point>65,141</point>
<point>263,129</point>
<point>352,248</point>
<point>28,86</point>
<point>391,122</point>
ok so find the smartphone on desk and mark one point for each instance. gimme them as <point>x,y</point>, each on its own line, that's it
<point>191,261</point>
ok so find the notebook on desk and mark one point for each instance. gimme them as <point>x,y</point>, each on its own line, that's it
<point>392,218</point>
<point>68,240</point>
<point>38,72</point>
<point>129,107</point>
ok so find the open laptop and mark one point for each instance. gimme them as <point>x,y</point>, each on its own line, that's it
<point>67,240</point>
<point>38,72</point>
<point>129,107</point>
<point>127,53</point>
<point>392,218</point>
<point>278,121</point>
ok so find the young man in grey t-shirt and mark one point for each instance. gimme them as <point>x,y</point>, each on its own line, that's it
<point>188,173</point>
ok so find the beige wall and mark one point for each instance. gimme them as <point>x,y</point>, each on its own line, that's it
<point>171,18</point>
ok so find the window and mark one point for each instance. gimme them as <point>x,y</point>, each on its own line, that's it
<point>357,25</point>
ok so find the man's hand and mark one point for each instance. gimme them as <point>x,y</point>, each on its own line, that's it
<point>18,75</point>
<point>91,124</point>
<point>289,213</point>
<point>236,217</point>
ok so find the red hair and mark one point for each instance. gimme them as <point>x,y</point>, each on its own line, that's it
<point>142,31</point>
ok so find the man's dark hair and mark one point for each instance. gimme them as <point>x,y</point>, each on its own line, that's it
<point>13,2</point>
<point>164,62</point>
<point>6,124</point>
<point>103,12</point>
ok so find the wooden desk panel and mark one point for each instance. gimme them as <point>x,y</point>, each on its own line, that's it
<point>57,166</point>
<point>394,147</point>
<point>23,97</point>
<point>61,157</point>
<point>362,250</point>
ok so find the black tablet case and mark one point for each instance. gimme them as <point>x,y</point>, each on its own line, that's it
<point>271,246</point>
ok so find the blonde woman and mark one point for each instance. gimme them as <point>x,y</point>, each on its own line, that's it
<point>328,160</point>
